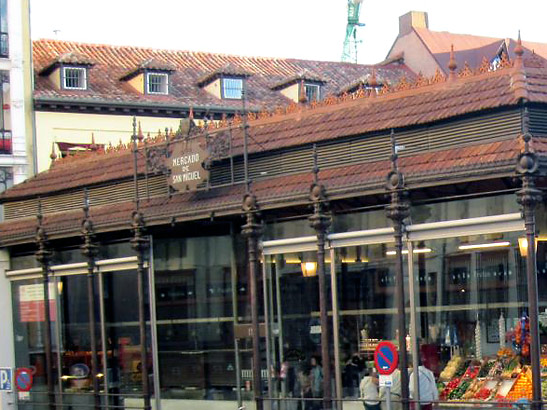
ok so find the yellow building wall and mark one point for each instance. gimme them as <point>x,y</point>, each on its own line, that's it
<point>77,128</point>
<point>214,88</point>
<point>137,83</point>
<point>291,92</point>
<point>55,77</point>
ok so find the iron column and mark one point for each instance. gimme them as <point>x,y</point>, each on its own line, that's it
<point>398,210</point>
<point>528,197</point>
<point>252,231</point>
<point>43,256</point>
<point>89,250</point>
<point>320,221</point>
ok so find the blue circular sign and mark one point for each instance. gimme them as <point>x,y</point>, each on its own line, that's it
<point>386,358</point>
<point>23,379</point>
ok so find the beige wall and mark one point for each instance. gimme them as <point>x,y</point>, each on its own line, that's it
<point>214,88</point>
<point>416,55</point>
<point>77,128</point>
<point>291,92</point>
<point>137,83</point>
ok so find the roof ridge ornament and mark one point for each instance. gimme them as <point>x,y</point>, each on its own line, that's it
<point>518,77</point>
<point>452,65</point>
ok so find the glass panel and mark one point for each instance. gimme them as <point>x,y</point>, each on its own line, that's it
<point>464,208</point>
<point>28,327</point>
<point>288,229</point>
<point>195,307</point>
<point>367,309</point>
<point>312,92</point>
<point>122,332</point>
<point>74,77</point>
<point>293,302</point>
<point>232,88</point>
<point>157,83</point>
<point>471,297</point>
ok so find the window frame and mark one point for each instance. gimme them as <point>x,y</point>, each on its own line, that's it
<point>164,85</point>
<point>317,87</point>
<point>223,87</point>
<point>82,77</point>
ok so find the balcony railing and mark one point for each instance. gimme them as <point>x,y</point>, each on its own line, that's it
<point>4,45</point>
<point>6,146</point>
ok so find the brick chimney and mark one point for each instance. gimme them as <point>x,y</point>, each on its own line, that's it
<point>412,19</point>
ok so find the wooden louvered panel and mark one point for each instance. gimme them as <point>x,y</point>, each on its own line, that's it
<point>102,195</point>
<point>538,121</point>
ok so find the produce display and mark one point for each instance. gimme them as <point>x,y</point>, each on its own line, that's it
<point>498,379</point>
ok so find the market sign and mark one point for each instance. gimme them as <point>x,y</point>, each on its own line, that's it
<point>186,165</point>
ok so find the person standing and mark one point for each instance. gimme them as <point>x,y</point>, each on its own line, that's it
<point>369,391</point>
<point>316,379</point>
<point>427,388</point>
<point>395,392</point>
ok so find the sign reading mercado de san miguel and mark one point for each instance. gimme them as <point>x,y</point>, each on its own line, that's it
<point>186,165</point>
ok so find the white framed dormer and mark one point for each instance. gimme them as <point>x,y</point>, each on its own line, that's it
<point>74,78</point>
<point>232,88</point>
<point>313,92</point>
<point>156,83</point>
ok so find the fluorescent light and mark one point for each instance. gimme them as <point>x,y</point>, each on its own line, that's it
<point>405,251</point>
<point>484,245</point>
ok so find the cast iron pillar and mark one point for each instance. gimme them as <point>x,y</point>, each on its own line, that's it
<point>140,245</point>
<point>398,210</point>
<point>43,256</point>
<point>252,230</point>
<point>528,197</point>
<point>320,222</point>
<point>90,250</point>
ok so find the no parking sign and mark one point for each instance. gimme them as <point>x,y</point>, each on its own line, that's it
<point>23,379</point>
<point>386,358</point>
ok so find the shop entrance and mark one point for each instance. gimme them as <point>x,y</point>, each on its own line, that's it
<point>465,292</point>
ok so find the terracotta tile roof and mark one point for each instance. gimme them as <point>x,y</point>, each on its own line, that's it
<point>472,49</point>
<point>302,76</point>
<point>482,161</point>
<point>149,64</point>
<point>229,69</point>
<point>72,57</point>
<point>345,117</point>
<point>113,62</point>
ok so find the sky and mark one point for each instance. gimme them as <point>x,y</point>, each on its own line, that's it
<point>306,29</point>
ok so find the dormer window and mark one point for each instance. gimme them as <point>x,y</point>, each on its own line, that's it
<point>69,71</point>
<point>226,82</point>
<point>232,88</point>
<point>157,83</point>
<point>312,92</point>
<point>74,78</point>
<point>302,84</point>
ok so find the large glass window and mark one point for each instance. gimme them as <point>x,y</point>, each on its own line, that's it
<point>196,295</point>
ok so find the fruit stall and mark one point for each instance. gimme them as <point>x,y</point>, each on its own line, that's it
<point>493,381</point>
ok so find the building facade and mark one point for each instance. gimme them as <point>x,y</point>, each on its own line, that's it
<point>305,236</point>
<point>92,91</point>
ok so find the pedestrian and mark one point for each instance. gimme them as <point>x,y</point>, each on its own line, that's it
<point>428,392</point>
<point>395,392</point>
<point>369,391</point>
<point>316,380</point>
